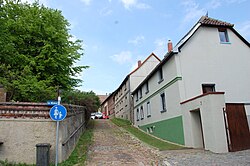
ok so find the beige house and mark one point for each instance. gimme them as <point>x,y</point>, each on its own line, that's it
<point>123,100</point>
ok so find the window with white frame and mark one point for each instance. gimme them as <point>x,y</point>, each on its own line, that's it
<point>136,96</point>
<point>163,102</point>
<point>147,88</point>
<point>148,109</point>
<point>160,72</point>
<point>142,113</point>
<point>223,35</point>
<point>140,93</point>
<point>138,114</point>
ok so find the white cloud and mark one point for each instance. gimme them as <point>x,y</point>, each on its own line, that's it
<point>214,4</point>
<point>122,57</point>
<point>137,40</point>
<point>235,1</point>
<point>128,4</point>
<point>106,12</point>
<point>245,29</point>
<point>86,2</point>
<point>160,47</point>
<point>192,10</point>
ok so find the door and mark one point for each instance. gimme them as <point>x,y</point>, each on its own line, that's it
<point>238,127</point>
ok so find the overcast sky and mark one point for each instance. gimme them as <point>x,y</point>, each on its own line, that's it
<point>118,33</point>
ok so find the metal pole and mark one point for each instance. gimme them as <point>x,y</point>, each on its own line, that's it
<point>57,133</point>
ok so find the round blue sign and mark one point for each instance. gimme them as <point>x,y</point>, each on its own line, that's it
<point>58,113</point>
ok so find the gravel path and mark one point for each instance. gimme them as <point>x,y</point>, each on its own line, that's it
<point>114,146</point>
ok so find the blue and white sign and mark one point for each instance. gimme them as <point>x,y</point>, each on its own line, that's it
<point>58,113</point>
<point>52,102</point>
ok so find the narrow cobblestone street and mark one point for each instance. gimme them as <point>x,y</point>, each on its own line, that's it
<point>114,146</point>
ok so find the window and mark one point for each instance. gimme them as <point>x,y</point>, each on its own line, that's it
<point>208,88</point>
<point>148,109</point>
<point>223,35</point>
<point>140,93</point>
<point>125,86</point>
<point>137,114</point>
<point>142,113</point>
<point>136,96</point>
<point>163,103</point>
<point>147,88</point>
<point>160,75</point>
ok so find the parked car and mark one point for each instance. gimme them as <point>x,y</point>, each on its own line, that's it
<point>104,116</point>
<point>98,115</point>
<point>92,115</point>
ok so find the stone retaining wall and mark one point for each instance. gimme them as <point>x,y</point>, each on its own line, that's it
<point>23,125</point>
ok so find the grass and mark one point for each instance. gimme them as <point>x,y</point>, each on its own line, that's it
<point>146,138</point>
<point>6,163</point>
<point>79,155</point>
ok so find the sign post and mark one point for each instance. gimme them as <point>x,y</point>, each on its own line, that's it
<point>57,113</point>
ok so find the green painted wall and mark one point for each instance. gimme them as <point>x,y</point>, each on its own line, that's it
<point>170,130</point>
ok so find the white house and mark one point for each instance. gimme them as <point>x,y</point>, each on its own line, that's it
<point>123,100</point>
<point>198,94</point>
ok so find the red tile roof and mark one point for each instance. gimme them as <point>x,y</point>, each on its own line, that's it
<point>204,20</point>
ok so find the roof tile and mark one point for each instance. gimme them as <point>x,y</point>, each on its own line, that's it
<point>204,20</point>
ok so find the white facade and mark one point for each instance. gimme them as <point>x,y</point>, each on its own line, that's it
<point>203,59</point>
<point>123,99</point>
<point>199,59</point>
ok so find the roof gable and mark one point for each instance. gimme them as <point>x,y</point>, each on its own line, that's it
<point>208,22</point>
<point>152,54</point>
<point>127,77</point>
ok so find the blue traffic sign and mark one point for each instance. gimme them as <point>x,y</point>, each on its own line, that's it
<point>58,113</point>
<point>52,102</point>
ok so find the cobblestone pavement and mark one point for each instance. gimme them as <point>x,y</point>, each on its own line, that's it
<point>191,157</point>
<point>114,146</point>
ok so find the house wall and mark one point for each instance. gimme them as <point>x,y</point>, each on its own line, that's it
<point>166,125</point>
<point>209,127</point>
<point>203,59</point>
<point>122,97</point>
<point>142,72</point>
<point>111,105</point>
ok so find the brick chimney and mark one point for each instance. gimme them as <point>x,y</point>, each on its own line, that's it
<point>170,46</point>
<point>139,63</point>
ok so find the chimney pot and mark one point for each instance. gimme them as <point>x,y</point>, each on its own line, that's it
<point>170,46</point>
<point>139,63</point>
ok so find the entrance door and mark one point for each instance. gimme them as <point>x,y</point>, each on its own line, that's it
<point>238,127</point>
<point>197,129</point>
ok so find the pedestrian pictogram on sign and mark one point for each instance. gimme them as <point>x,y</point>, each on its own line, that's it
<point>58,113</point>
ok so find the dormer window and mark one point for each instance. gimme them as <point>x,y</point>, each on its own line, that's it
<point>223,35</point>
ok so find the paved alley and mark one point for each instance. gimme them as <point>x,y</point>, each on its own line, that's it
<point>115,146</point>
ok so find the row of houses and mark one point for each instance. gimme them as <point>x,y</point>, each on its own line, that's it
<point>197,96</point>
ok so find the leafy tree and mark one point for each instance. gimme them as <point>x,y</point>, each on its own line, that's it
<point>36,53</point>
<point>88,99</point>
<point>77,97</point>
